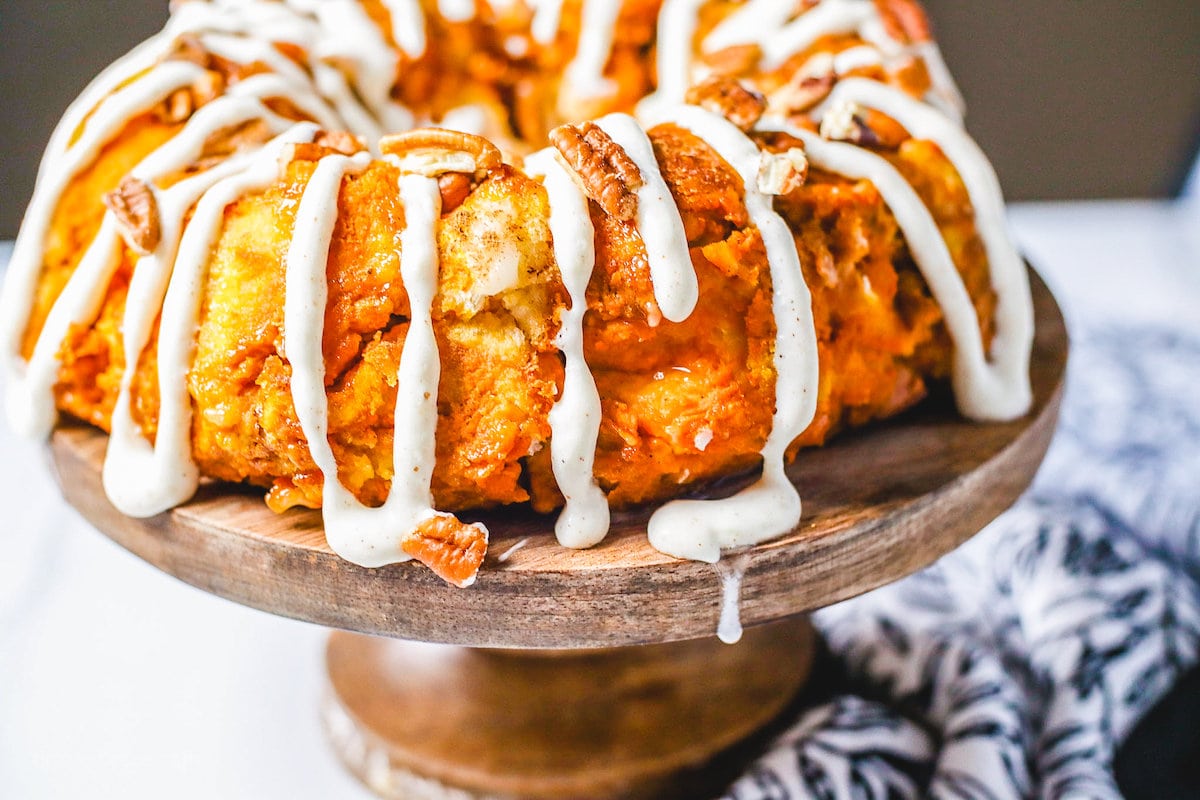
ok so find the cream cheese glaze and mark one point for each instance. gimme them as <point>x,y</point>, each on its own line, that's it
<point>144,479</point>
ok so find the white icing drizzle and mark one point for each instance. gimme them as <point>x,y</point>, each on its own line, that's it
<point>945,93</point>
<point>677,23</point>
<point>457,10</point>
<point>142,480</point>
<point>828,17</point>
<point>474,119</point>
<point>750,24</point>
<point>29,386</point>
<point>348,35</point>
<point>853,58</point>
<point>597,29</point>
<point>408,25</point>
<point>547,19</point>
<point>366,536</point>
<point>511,551</point>
<point>731,571</point>
<point>701,529</point>
<point>770,25</point>
<point>999,390</point>
<point>575,418</point>
<point>671,271</point>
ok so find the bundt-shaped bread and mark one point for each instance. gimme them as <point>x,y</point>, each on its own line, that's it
<point>239,263</point>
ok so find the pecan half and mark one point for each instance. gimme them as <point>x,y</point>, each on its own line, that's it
<point>435,151</point>
<point>904,20</point>
<point>136,212</point>
<point>452,549</point>
<point>782,173</point>
<point>729,98</point>
<point>608,175</point>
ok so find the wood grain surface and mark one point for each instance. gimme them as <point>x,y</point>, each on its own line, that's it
<point>419,720</point>
<point>879,503</point>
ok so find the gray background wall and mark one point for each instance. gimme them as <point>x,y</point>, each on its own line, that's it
<point>1071,98</point>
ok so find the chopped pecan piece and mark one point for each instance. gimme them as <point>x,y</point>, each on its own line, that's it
<point>182,103</point>
<point>850,122</point>
<point>729,98</point>
<point>323,144</point>
<point>236,137</point>
<point>435,151</point>
<point>809,86</point>
<point>904,20</point>
<point>738,59</point>
<point>782,173</point>
<point>136,212</point>
<point>178,107</point>
<point>452,549</point>
<point>345,143</point>
<point>608,175</point>
<point>188,47</point>
<point>454,188</point>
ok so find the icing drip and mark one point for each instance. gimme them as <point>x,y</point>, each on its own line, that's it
<point>671,271</point>
<point>999,390</point>
<point>597,29</point>
<point>945,94</point>
<point>701,529</point>
<point>677,24</point>
<point>575,418</point>
<point>750,24</point>
<point>30,386</point>
<point>143,479</point>
<point>370,537</point>
<point>408,26</point>
<point>547,18</point>
<point>829,17</point>
<point>731,571</point>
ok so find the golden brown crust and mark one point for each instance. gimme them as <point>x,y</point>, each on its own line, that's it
<point>682,403</point>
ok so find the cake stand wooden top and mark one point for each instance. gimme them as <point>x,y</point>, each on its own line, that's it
<point>879,504</point>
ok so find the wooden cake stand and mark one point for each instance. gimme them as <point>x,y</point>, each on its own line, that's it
<point>542,695</point>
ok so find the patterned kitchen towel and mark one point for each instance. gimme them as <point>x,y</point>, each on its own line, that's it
<point>1016,665</point>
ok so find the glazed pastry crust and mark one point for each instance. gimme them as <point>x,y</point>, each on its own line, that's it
<point>683,403</point>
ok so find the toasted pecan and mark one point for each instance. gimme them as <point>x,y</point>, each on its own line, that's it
<point>730,98</point>
<point>452,549</point>
<point>782,173</point>
<point>851,122</point>
<point>807,87</point>
<point>133,205</point>
<point>608,175</point>
<point>436,151</point>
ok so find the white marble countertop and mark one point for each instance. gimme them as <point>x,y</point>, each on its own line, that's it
<point>117,681</point>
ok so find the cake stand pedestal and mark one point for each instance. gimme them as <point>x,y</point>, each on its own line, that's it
<point>593,673</point>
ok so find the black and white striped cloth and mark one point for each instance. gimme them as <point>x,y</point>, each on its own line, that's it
<point>1015,666</point>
